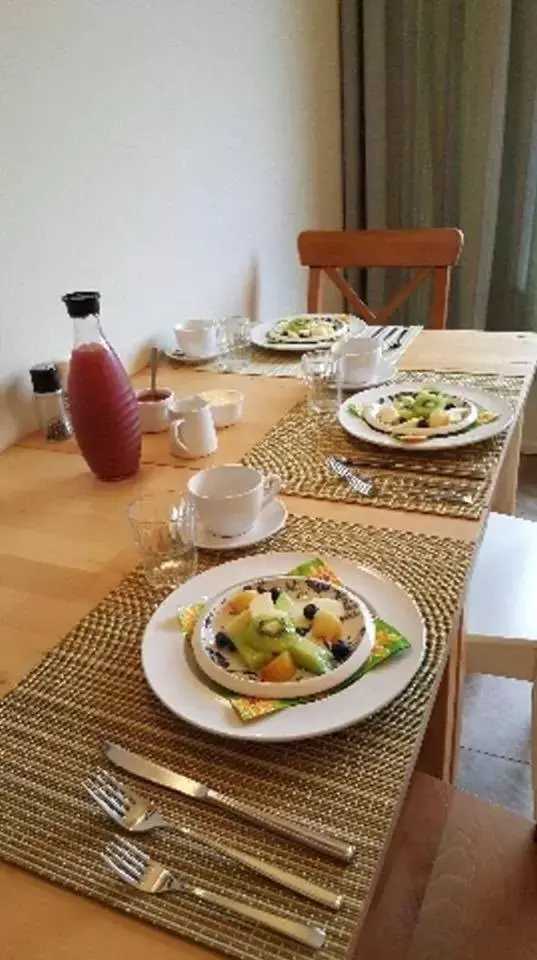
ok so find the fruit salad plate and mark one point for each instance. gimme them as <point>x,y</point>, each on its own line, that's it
<point>283,637</point>
<point>306,331</point>
<point>175,677</point>
<point>414,415</point>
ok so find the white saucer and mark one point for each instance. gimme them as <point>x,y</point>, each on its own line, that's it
<point>385,373</point>
<point>271,520</point>
<point>177,356</point>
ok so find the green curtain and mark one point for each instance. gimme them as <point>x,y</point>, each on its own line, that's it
<point>440,120</point>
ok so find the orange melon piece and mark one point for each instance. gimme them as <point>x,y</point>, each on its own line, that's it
<point>241,601</point>
<point>327,627</point>
<point>279,670</point>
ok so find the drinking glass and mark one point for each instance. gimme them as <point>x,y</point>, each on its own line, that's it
<point>319,372</point>
<point>236,338</point>
<point>163,527</point>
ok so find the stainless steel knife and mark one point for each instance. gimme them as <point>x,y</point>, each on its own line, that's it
<point>154,773</point>
<point>434,468</point>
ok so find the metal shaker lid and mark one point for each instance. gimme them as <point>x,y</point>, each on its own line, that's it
<point>45,378</point>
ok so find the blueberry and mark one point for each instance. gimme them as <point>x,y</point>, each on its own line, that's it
<point>310,610</point>
<point>341,650</point>
<point>302,631</point>
<point>218,658</point>
<point>320,586</point>
<point>275,593</point>
<point>222,640</point>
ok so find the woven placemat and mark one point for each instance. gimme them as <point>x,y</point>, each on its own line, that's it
<point>257,362</point>
<point>297,447</point>
<point>91,688</point>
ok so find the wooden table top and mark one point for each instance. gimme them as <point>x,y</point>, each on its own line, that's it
<point>64,543</point>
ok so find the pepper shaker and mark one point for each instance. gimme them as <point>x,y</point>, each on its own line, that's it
<point>50,402</point>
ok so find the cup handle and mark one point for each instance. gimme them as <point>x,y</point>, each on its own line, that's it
<point>272,485</point>
<point>177,445</point>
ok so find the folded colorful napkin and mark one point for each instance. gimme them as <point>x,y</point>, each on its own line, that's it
<point>388,641</point>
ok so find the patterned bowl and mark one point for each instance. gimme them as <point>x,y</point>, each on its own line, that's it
<point>225,666</point>
<point>370,414</point>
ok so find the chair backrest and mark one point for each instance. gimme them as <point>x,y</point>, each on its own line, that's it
<point>425,252</point>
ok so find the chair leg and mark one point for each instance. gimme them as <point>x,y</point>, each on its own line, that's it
<point>314,290</point>
<point>505,491</point>
<point>534,746</point>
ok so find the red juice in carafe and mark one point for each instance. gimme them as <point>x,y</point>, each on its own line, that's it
<point>103,406</point>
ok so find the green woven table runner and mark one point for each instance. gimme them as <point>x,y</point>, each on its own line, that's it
<point>91,688</point>
<point>297,447</point>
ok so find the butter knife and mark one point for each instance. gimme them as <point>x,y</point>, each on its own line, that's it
<point>154,773</point>
<point>434,469</point>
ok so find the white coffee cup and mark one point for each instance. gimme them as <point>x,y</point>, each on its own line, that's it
<point>352,344</point>
<point>359,359</point>
<point>192,432</point>
<point>198,337</point>
<point>154,409</point>
<point>229,499</point>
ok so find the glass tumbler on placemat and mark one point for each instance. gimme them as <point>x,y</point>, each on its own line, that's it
<point>164,530</point>
<point>236,337</point>
<point>319,372</point>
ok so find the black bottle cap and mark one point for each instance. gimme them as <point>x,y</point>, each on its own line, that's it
<point>45,378</point>
<point>82,303</point>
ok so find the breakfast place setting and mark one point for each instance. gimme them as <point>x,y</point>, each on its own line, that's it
<point>274,347</point>
<point>220,745</point>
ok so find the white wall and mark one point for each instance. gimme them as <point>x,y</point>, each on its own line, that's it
<point>165,152</point>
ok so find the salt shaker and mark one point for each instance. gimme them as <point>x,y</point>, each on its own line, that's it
<point>50,402</point>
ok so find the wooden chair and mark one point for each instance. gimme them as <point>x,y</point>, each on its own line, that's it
<point>459,882</point>
<point>501,610</point>
<point>425,252</point>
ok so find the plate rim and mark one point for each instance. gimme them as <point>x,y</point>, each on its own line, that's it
<point>265,325</point>
<point>445,442</point>
<point>255,734</point>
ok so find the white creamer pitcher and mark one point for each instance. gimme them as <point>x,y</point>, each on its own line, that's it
<point>192,432</point>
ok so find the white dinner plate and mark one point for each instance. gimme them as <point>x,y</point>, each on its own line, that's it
<point>258,335</point>
<point>485,401</point>
<point>174,677</point>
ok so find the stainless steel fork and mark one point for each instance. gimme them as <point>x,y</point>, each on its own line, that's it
<point>367,488</point>
<point>134,866</point>
<point>364,487</point>
<point>135,813</point>
<point>397,341</point>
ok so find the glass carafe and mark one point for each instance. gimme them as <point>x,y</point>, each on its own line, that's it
<point>103,406</point>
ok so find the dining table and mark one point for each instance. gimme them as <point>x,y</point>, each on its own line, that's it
<point>65,544</point>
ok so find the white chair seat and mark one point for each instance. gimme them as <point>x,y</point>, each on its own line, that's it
<point>503,592</point>
<point>501,608</point>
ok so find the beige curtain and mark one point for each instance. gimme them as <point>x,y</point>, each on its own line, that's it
<point>440,128</point>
